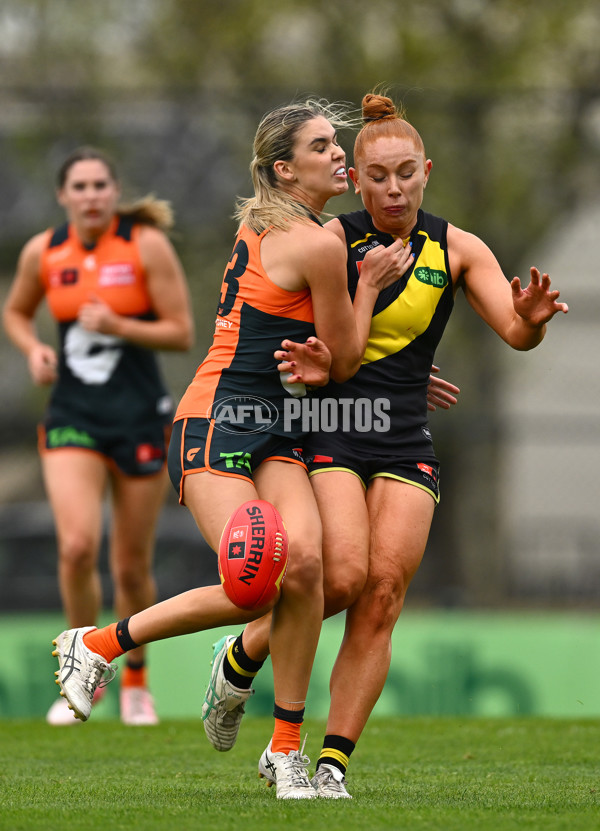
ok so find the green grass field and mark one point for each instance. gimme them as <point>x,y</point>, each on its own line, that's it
<point>417,773</point>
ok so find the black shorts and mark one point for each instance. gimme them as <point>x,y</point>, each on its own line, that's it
<point>197,446</point>
<point>420,469</point>
<point>140,451</point>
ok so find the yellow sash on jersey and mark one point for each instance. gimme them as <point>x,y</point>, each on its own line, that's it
<point>409,315</point>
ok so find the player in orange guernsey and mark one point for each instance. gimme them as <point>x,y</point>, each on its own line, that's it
<point>286,274</point>
<point>116,288</point>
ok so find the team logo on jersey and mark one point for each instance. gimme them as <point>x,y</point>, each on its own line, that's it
<point>64,277</point>
<point>254,414</point>
<point>91,356</point>
<point>192,453</point>
<point>431,276</point>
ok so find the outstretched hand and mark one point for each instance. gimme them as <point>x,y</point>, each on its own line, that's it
<point>536,304</point>
<point>440,393</point>
<point>308,362</point>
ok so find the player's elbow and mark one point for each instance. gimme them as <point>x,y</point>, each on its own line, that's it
<point>341,375</point>
<point>344,368</point>
<point>523,340</point>
<point>186,336</point>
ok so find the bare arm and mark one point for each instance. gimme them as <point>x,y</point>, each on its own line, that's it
<point>308,256</point>
<point>518,315</point>
<point>381,267</point>
<point>335,323</point>
<point>18,313</point>
<point>174,327</point>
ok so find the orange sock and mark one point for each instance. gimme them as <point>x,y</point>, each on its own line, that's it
<point>104,642</point>
<point>286,736</point>
<point>133,676</point>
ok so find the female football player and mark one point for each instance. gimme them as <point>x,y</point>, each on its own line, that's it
<point>114,284</point>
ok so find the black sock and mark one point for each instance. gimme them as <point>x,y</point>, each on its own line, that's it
<point>336,752</point>
<point>238,668</point>
<point>125,640</point>
<point>292,716</point>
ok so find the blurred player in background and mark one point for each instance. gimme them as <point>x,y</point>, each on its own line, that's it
<point>286,276</point>
<point>115,286</point>
<point>377,491</point>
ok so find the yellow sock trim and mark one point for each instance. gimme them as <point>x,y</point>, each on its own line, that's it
<point>236,667</point>
<point>335,754</point>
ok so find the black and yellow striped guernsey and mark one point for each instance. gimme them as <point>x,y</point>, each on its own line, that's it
<point>408,322</point>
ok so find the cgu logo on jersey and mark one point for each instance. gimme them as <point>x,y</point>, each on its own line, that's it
<point>365,248</point>
<point>431,276</point>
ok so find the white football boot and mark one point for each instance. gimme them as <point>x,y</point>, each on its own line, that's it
<point>60,714</point>
<point>288,772</point>
<point>80,671</point>
<point>330,783</point>
<point>224,704</point>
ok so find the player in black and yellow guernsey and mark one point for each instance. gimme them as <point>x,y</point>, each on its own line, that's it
<point>373,466</point>
<point>408,321</point>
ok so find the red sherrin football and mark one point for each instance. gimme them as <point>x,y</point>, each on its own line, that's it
<point>253,554</point>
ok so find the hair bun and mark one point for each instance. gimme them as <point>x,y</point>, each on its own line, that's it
<point>375,107</point>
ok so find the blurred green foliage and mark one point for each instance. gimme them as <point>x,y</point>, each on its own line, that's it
<point>506,94</point>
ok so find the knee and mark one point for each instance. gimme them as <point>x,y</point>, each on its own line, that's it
<point>131,577</point>
<point>78,552</point>
<point>343,586</point>
<point>304,573</point>
<point>381,602</point>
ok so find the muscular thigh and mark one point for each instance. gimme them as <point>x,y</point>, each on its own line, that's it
<point>340,497</point>
<point>136,505</point>
<point>400,518</point>
<point>75,482</point>
<point>211,499</point>
<point>286,485</point>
